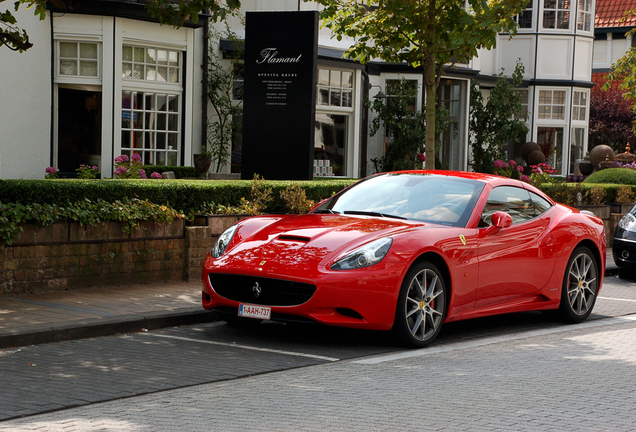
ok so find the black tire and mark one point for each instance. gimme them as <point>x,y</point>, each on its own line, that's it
<point>421,307</point>
<point>580,286</point>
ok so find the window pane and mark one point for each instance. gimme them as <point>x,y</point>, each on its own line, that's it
<point>68,67</point>
<point>68,49</point>
<point>563,20</point>
<point>549,18</point>
<point>347,79</point>
<point>151,73</point>
<point>174,75</point>
<point>151,56</point>
<point>347,98</point>
<point>162,74</point>
<point>126,71</point>
<point>88,51</point>
<point>88,68</point>
<point>173,122</point>
<point>336,97</point>
<point>173,58</point>
<point>323,96</point>
<point>162,57</point>
<point>323,77</point>
<point>139,55</point>
<point>335,79</point>
<point>127,53</point>
<point>138,71</point>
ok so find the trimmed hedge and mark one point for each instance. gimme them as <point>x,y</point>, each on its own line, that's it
<point>180,172</point>
<point>187,196</point>
<point>566,193</point>
<point>626,176</point>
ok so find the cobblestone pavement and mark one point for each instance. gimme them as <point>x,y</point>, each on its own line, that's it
<point>579,379</point>
<point>507,373</point>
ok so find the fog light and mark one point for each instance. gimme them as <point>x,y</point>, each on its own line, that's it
<point>625,254</point>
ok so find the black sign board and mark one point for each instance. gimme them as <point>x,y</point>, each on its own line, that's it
<point>279,104</point>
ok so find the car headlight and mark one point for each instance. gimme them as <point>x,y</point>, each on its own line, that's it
<point>628,222</point>
<point>364,256</point>
<point>223,242</point>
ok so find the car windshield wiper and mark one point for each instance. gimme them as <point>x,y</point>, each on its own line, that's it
<point>328,211</point>
<point>370,213</point>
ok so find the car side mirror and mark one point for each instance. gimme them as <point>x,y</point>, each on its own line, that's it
<point>499,220</point>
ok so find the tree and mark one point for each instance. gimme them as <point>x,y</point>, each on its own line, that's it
<point>624,72</point>
<point>166,11</point>
<point>404,126</point>
<point>427,34</point>
<point>611,120</point>
<point>497,121</point>
<point>222,95</point>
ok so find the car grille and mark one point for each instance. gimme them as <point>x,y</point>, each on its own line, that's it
<point>273,292</point>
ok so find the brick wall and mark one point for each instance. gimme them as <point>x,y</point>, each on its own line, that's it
<point>68,256</point>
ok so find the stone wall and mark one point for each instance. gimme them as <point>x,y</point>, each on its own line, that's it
<point>66,256</point>
<point>69,256</point>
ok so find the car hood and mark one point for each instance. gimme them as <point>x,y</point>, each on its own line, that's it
<point>301,243</point>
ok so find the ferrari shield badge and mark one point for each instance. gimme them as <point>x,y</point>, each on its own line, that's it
<point>463,239</point>
<point>262,263</point>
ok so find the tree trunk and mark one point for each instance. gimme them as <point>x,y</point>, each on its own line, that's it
<point>431,98</point>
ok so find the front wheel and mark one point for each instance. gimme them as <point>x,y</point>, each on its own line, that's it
<point>421,307</point>
<point>580,286</point>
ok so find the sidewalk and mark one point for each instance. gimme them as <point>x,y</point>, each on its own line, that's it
<point>70,315</point>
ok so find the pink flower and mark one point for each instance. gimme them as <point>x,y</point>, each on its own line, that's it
<point>155,175</point>
<point>525,178</point>
<point>504,165</point>
<point>136,157</point>
<point>498,163</point>
<point>520,168</point>
<point>95,167</point>
<point>50,170</point>
<point>122,158</point>
<point>512,163</point>
<point>120,170</point>
<point>421,157</point>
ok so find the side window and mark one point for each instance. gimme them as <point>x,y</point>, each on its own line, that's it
<point>512,200</point>
<point>540,205</point>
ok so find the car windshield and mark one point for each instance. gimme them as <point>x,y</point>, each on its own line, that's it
<point>420,197</point>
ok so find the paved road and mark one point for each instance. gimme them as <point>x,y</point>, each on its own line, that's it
<point>517,372</point>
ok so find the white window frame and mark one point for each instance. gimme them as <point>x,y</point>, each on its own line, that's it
<point>152,115</point>
<point>147,66</point>
<point>583,16</point>
<point>576,107</point>
<point>332,88</point>
<point>552,105</point>
<point>78,79</point>
<point>532,9</point>
<point>557,10</point>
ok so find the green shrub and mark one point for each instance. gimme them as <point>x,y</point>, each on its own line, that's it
<point>186,196</point>
<point>625,176</point>
<point>180,172</point>
<point>85,212</point>
<point>592,194</point>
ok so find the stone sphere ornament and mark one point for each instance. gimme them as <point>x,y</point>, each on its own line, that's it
<point>599,154</point>
<point>528,148</point>
<point>536,157</point>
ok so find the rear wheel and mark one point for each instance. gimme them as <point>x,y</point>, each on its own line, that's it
<point>580,286</point>
<point>421,307</point>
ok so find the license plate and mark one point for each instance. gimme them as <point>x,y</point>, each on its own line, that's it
<point>252,311</point>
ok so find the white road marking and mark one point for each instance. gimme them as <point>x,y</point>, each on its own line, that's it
<point>247,347</point>
<point>496,339</point>
<point>617,299</point>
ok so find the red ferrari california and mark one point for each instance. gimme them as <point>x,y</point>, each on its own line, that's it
<point>407,252</point>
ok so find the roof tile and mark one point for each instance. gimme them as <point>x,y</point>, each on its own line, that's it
<point>610,13</point>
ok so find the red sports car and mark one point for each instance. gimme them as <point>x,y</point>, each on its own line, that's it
<point>407,252</point>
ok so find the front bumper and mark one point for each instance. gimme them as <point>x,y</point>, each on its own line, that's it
<point>624,253</point>
<point>356,299</point>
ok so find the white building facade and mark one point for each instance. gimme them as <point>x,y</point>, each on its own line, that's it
<point>99,82</point>
<point>109,81</point>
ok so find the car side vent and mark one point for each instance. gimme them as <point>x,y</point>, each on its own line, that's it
<point>294,238</point>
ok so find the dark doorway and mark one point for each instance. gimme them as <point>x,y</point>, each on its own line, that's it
<point>79,130</point>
